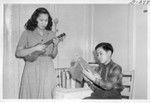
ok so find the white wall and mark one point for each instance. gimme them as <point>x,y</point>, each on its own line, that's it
<point>75,22</point>
<point>111,25</point>
<point>141,69</point>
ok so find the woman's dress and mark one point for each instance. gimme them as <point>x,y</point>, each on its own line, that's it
<point>39,77</point>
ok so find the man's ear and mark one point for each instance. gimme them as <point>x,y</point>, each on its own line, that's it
<point>109,53</point>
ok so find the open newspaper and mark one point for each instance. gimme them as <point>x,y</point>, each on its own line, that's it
<point>79,65</point>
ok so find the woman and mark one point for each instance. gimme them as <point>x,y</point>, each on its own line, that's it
<point>38,78</point>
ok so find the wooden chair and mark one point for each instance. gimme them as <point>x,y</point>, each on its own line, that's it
<point>128,83</point>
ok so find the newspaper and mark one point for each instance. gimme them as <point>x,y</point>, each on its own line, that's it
<point>77,68</point>
<point>85,65</point>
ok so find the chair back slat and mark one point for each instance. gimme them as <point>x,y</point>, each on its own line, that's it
<point>128,83</point>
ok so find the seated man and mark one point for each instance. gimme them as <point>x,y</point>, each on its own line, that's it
<point>106,82</point>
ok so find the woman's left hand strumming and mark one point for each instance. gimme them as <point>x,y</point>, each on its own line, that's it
<point>55,41</point>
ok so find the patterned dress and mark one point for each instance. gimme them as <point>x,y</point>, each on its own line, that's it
<point>111,74</point>
<point>39,77</point>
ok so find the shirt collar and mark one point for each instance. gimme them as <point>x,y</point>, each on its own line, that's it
<point>110,63</point>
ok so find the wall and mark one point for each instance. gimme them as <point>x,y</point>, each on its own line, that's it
<point>111,25</point>
<point>75,22</point>
<point>141,69</point>
<point>10,63</point>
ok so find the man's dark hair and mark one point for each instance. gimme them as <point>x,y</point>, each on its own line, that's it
<point>105,46</point>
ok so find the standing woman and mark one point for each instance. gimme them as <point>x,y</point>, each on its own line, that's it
<point>39,77</point>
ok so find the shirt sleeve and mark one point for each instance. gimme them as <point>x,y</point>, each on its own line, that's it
<point>22,41</point>
<point>91,85</point>
<point>114,78</point>
<point>96,69</point>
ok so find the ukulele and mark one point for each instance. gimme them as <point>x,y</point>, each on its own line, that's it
<point>34,55</point>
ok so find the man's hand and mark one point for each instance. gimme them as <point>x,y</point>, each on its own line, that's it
<point>97,75</point>
<point>85,78</point>
<point>89,75</point>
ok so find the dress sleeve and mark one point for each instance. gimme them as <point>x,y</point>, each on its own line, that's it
<point>22,41</point>
<point>114,79</point>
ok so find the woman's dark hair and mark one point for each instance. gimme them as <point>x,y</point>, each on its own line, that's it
<point>105,46</point>
<point>31,24</point>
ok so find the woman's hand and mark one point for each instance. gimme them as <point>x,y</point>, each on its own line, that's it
<point>40,47</point>
<point>55,41</point>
